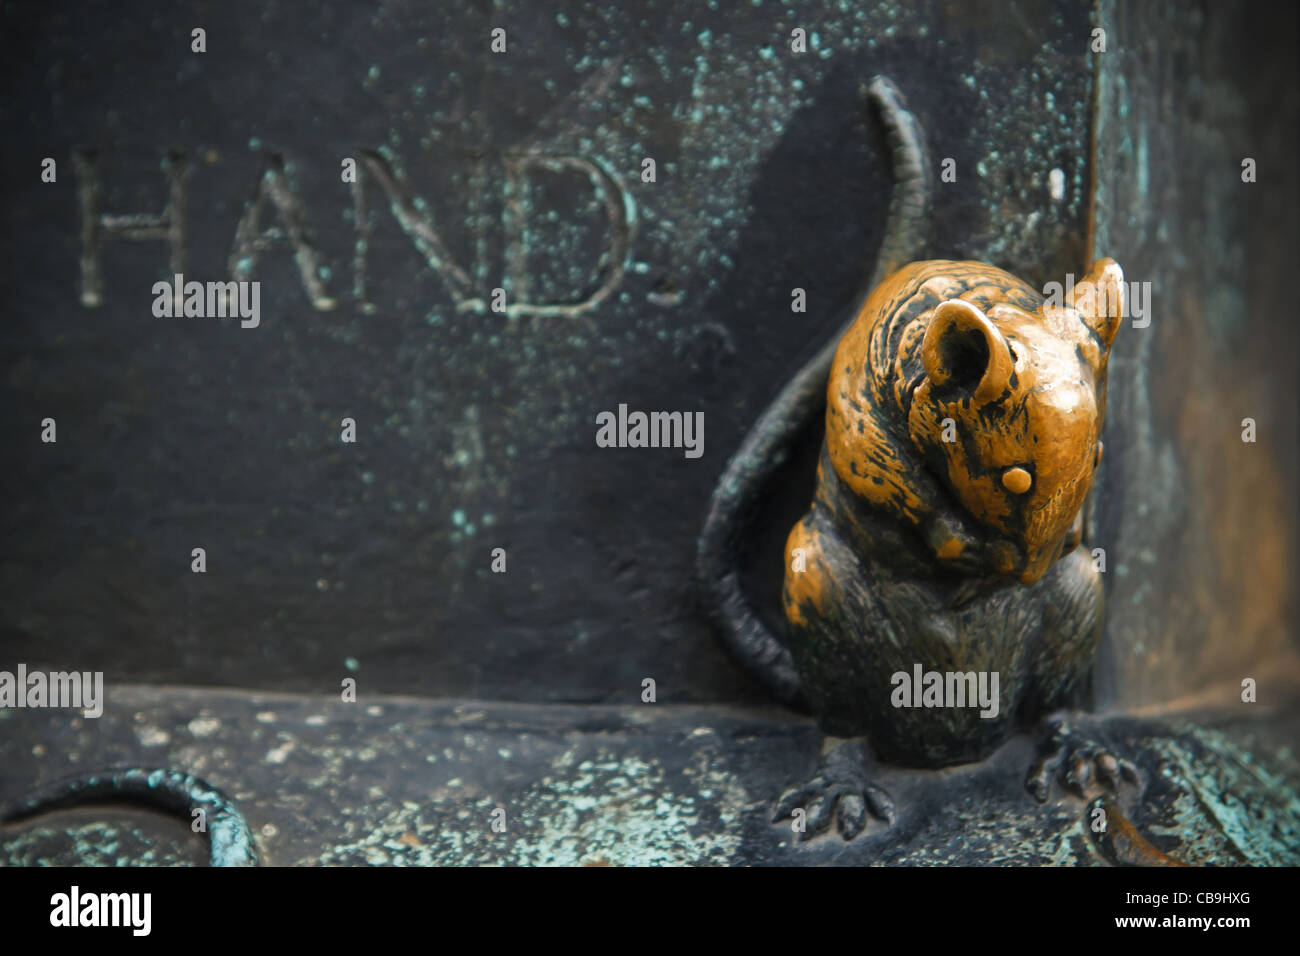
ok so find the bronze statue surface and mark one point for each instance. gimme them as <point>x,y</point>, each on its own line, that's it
<point>938,592</point>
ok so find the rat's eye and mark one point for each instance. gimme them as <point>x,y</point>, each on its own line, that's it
<point>1016,480</point>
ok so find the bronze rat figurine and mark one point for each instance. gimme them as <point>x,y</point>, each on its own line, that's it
<point>963,415</point>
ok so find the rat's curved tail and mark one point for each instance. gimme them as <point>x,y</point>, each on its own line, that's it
<point>743,633</point>
<point>229,841</point>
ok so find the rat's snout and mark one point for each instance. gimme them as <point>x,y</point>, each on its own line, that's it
<point>1047,523</point>
<point>1040,561</point>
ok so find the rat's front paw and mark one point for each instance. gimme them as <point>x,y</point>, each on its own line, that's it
<point>841,791</point>
<point>1085,764</point>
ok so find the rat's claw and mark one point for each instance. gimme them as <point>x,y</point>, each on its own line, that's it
<point>852,818</point>
<point>881,804</point>
<point>1079,775</point>
<point>1051,754</point>
<point>795,798</point>
<point>1107,767</point>
<point>839,792</point>
<point>1083,762</point>
<point>821,813</point>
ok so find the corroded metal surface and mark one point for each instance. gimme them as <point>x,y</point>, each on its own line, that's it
<point>915,549</point>
<point>1199,525</point>
<point>475,429</point>
<point>373,560</point>
<point>405,782</point>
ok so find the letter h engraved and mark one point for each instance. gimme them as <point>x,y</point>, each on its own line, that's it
<point>96,225</point>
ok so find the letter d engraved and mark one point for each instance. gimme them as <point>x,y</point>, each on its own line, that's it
<point>617,205</point>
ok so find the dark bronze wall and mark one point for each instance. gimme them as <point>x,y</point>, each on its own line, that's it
<point>180,433</point>
<point>477,431</point>
<point>1199,526</point>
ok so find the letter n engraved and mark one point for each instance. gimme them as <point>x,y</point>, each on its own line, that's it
<point>416,222</point>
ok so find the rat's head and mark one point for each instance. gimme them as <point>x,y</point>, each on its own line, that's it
<point>1010,409</point>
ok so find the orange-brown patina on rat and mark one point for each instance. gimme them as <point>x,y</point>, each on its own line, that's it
<point>963,367</point>
<point>964,412</point>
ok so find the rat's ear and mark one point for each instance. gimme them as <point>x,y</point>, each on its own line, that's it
<point>1100,299</point>
<point>963,350</point>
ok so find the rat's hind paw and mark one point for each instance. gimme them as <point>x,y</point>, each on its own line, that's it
<point>1084,763</point>
<point>840,791</point>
